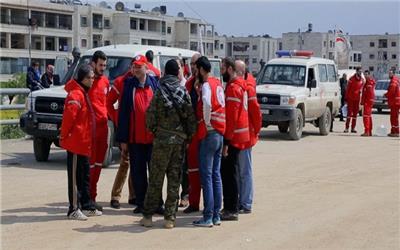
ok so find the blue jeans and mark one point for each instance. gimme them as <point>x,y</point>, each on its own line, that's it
<point>210,174</point>
<point>245,179</point>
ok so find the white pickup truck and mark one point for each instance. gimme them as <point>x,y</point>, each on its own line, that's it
<point>297,88</point>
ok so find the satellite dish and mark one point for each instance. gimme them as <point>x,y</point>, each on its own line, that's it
<point>156,9</point>
<point>119,6</point>
<point>180,14</point>
<point>138,6</point>
<point>103,4</point>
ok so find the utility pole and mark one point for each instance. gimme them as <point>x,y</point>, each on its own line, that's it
<point>30,32</point>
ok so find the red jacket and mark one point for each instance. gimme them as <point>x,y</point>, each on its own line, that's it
<point>78,124</point>
<point>211,108</point>
<point>353,90</point>
<point>255,116</point>
<point>98,96</point>
<point>114,95</point>
<point>153,71</point>
<point>368,92</point>
<point>237,118</point>
<point>393,93</point>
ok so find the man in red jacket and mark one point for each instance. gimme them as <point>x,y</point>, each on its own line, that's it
<point>98,94</point>
<point>367,100</point>
<point>77,137</point>
<point>393,96</point>
<point>151,70</point>
<point>353,92</point>
<point>244,158</point>
<point>236,135</point>
<point>114,95</point>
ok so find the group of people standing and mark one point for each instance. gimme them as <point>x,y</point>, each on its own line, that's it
<point>166,125</point>
<point>358,91</point>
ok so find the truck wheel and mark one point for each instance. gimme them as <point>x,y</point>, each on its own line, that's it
<point>283,128</point>
<point>296,126</point>
<point>41,148</point>
<point>324,122</point>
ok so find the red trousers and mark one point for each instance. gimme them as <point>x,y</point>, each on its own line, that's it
<point>97,159</point>
<point>367,118</point>
<point>193,173</point>
<point>394,119</point>
<point>353,107</point>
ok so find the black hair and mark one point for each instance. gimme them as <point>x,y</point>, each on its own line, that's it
<point>366,71</point>
<point>229,62</point>
<point>83,72</point>
<point>203,62</point>
<point>172,68</point>
<point>99,55</point>
<point>358,68</point>
<point>35,63</point>
<point>149,56</point>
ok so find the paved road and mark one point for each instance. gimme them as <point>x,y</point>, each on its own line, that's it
<point>335,192</point>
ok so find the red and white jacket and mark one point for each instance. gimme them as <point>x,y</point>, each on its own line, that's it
<point>353,90</point>
<point>211,108</point>
<point>98,97</point>
<point>78,122</point>
<point>237,118</point>
<point>368,92</point>
<point>255,116</point>
<point>393,93</point>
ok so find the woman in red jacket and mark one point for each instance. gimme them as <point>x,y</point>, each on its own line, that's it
<point>367,100</point>
<point>77,137</point>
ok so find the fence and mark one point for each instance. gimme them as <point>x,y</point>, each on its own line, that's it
<point>12,91</point>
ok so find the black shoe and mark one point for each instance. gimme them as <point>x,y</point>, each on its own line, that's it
<point>160,210</point>
<point>245,211</point>
<point>354,131</point>
<point>138,210</point>
<point>190,209</point>
<point>115,204</point>
<point>132,201</point>
<point>229,216</point>
<point>97,206</point>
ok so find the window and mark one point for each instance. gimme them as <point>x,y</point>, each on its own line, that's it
<point>107,24</point>
<point>36,42</point>
<point>382,55</point>
<point>163,28</point>
<point>65,22</point>
<point>324,43</point>
<point>332,76</point>
<point>63,44</point>
<point>169,30</point>
<point>133,24</point>
<point>371,68</point>
<point>221,46</point>
<point>163,43</point>
<point>393,44</point>
<point>240,46</point>
<point>142,24</point>
<point>371,44</point>
<point>254,47</point>
<point>3,40</point>
<point>50,43</point>
<point>254,60</point>
<point>83,43</point>
<point>330,44</point>
<point>371,56</point>
<point>37,18</point>
<point>4,16</point>
<point>394,56</point>
<point>18,41</point>
<point>97,21</point>
<point>107,42</point>
<point>382,43</point>
<point>51,21</point>
<point>284,74</point>
<point>280,45</point>
<point>84,21</point>
<point>330,56</point>
<point>322,73</point>
<point>19,17</point>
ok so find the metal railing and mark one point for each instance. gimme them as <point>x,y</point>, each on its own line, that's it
<point>12,91</point>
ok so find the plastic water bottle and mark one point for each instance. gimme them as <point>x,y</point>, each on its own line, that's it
<point>344,110</point>
<point>381,130</point>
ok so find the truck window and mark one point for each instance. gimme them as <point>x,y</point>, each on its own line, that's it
<point>323,74</point>
<point>332,76</point>
<point>311,75</point>
<point>284,74</point>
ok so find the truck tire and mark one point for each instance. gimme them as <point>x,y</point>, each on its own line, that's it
<point>283,128</point>
<point>324,122</point>
<point>296,126</point>
<point>41,148</point>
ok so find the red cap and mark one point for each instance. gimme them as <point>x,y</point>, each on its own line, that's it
<point>140,60</point>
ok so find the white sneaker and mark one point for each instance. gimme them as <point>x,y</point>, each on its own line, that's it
<point>91,213</point>
<point>77,215</point>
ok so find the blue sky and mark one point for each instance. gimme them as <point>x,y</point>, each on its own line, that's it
<point>242,18</point>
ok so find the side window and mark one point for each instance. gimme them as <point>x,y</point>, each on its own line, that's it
<point>322,72</point>
<point>332,76</point>
<point>311,75</point>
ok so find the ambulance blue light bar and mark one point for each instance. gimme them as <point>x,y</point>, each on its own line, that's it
<point>305,53</point>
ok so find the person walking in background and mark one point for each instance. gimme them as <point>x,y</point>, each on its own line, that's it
<point>343,87</point>
<point>367,100</point>
<point>33,77</point>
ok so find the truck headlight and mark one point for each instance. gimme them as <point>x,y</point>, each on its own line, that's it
<point>288,100</point>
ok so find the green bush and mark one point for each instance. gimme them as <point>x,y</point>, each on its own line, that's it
<point>11,132</point>
<point>17,81</point>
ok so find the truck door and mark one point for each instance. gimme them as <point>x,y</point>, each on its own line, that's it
<point>313,98</point>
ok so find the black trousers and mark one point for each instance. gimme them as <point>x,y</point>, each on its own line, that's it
<point>78,182</point>
<point>230,180</point>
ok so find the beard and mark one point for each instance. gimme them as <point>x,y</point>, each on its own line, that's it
<point>226,77</point>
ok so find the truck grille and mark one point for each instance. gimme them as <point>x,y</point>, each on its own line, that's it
<point>268,99</point>
<point>49,105</point>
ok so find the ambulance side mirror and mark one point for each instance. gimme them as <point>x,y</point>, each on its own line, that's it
<point>312,84</point>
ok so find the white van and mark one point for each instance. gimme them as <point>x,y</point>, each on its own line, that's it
<point>293,90</point>
<point>45,107</point>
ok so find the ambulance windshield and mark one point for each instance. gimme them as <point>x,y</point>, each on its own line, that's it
<point>283,74</point>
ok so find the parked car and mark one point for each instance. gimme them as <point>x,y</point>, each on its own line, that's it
<point>380,101</point>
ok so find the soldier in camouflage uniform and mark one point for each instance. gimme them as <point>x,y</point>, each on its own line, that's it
<point>172,120</point>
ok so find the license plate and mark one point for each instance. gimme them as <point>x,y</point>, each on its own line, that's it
<point>265,111</point>
<point>47,126</point>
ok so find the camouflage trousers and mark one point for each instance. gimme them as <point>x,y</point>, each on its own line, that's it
<point>167,159</point>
